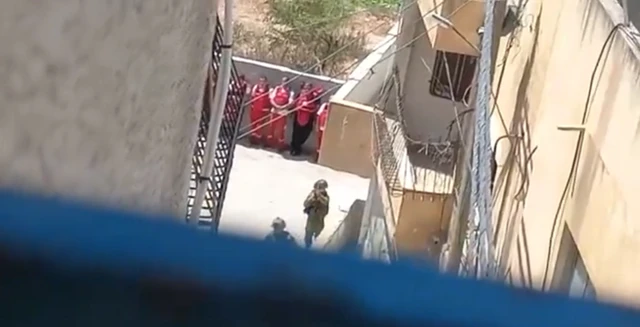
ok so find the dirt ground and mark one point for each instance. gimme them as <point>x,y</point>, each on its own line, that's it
<point>251,15</point>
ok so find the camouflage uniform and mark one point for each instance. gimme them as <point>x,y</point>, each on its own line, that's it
<point>279,234</point>
<point>316,206</point>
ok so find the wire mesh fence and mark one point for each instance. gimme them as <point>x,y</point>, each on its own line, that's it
<point>223,159</point>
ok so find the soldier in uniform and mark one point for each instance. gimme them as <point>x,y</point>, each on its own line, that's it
<point>316,207</point>
<point>279,233</point>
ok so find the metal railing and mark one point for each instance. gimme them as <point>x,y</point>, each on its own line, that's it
<point>392,144</point>
<point>389,142</point>
<point>223,159</point>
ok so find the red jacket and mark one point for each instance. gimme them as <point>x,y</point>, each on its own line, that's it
<point>260,98</point>
<point>306,106</point>
<point>282,95</point>
<point>323,114</point>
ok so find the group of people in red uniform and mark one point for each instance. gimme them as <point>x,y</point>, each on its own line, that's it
<point>271,107</point>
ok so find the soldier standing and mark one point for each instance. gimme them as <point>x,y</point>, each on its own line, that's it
<point>316,207</point>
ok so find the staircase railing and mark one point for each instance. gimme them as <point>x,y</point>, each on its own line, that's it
<point>223,159</point>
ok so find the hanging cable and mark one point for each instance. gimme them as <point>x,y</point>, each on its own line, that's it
<point>267,120</point>
<point>343,48</point>
<point>576,156</point>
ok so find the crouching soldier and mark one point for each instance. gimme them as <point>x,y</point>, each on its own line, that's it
<point>316,207</point>
<point>279,233</point>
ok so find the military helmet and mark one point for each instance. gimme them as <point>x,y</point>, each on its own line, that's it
<point>279,222</point>
<point>321,184</point>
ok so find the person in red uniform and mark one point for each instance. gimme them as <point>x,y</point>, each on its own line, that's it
<point>281,99</point>
<point>259,114</point>
<point>306,107</point>
<point>323,114</point>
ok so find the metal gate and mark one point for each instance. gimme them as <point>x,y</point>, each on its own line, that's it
<point>223,159</point>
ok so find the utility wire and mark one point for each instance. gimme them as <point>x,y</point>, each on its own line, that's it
<point>270,120</point>
<point>330,90</point>
<point>343,48</point>
<point>577,154</point>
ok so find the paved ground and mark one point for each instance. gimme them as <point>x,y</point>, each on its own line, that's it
<point>264,184</point>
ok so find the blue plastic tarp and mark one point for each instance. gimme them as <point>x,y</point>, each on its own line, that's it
<point>67,264</point>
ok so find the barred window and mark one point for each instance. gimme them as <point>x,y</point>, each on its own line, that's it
<point>461,67</point>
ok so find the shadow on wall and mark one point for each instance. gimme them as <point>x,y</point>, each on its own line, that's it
<point>345,237</point>
<point>515,191</point>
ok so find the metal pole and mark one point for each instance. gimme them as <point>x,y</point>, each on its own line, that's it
<point>217,112</point>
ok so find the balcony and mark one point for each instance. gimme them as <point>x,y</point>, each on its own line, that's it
<point>467,18</point>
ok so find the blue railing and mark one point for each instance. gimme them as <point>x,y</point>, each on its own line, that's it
<point>65,264</point>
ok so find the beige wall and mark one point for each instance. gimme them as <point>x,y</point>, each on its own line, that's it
<point>423,223</point>
<point>346,144</point>
<point>545,84</point>
<point>427,116</point>
<point>466,15</point>
<point>415,222</point>
<point>99,99</point>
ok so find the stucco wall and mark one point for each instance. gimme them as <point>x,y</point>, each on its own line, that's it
<point>379,227</point>
<point>100,99</point>
<point>365,82</point>
<point>545,84</point>
<point>346,144</point>
<point>427,116</point>
<point>253,69</point>
<point>423,224</point>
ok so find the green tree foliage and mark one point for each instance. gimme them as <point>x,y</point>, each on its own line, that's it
<point>305,32</point>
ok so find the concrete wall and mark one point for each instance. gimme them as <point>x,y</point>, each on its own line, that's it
<point>378,223</point>
<point>345,237</point>
<point>347,140</point>
<point>427,116</point>
<point>365,82</point>
<point>541,89</point>
<point>423,223</point>
<point>100,100</point>
<point>466,15</point>
<point>254,69</point>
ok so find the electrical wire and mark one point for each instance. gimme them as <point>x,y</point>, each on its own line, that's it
<point>493,95</point>
<point>400,11</point>
<point>400,113</point>
<point>269,120</point>
<point>344,47</point>
<point>576,156</point>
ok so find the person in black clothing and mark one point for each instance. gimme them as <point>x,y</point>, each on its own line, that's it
<point>279,233</point>
<point>306,105</point>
